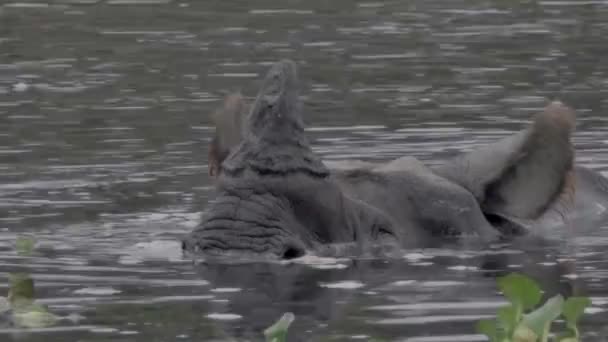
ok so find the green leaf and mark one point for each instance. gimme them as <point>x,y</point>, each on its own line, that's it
<point>520,290</point>
<point>37,317</point>
<point>488,328</point>
<point>573,308</point>
<point>21,288</point>
<point>25,245</point>
<point>540,319</point>
<point>278,331</point>
<point>508,317</point>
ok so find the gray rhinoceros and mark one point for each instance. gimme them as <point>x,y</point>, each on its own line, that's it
<point>277,200</point>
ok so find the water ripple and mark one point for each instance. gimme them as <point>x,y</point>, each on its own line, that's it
<point>105,122</point>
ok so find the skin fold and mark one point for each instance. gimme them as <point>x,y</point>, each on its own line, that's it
<point>275,199</point>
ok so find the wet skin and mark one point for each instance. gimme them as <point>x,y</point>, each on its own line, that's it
<point>277,200</point>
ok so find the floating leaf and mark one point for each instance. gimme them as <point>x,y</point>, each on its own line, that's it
<point>520,290</point>
<point>25,245</point>
<point>35,317</point>
<point>573,308</point>
<point>540,319</point>
<point>21,288</point>
<point>26,313</point>
<point>278,331</point>
<point>508,317</point>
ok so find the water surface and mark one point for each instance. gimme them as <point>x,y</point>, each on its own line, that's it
<point>104,124</point>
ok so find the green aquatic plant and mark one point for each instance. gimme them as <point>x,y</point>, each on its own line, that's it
<point>34,316</point>
<point>21,288</point>
<point>20,302</point>
<point>519,321</point>
<point>278,331</point>
<point>25,245</point>
<point>25,312</point>
<point>572,310</point>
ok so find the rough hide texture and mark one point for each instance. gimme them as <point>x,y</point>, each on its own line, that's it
<point>228,131</point>
<point>274,142</point>
<point>522,175</point>
<point>423,206</point>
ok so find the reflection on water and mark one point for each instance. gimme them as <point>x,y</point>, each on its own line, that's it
<point>104,121</point>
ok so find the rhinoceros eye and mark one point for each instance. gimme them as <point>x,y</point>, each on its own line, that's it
<point>384,232</point>
<point>292,252</point>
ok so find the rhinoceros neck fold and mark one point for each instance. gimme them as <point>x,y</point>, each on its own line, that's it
<point>267,157</point>
<point>274,141</point>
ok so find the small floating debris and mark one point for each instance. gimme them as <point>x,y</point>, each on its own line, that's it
<point>129,332</point>
<point>403,282</point>
<point>462,268</point>
<point>20,87</point>
<point>26,5</point>
<point>440,283</point>
<point>425,284</point>
<point>322,263</point>
<point>347,284</point>
<point>571,276</point>
<point>154,250</point>
<point>279,11</point>
<point>97,291</point>
<point>360,337</point>
<point>106,330</point>
<point>416,256</point>
<point>226,290</point>
<point>138,2</point>
<point>219,300</point>
<point>424,263</point>
<point>548,263</point>
<point>224,316</point>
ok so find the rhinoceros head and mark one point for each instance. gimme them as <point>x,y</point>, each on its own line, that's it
<point>275,197</point>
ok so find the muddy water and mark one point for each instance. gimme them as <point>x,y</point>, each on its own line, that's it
<point>104,122</point>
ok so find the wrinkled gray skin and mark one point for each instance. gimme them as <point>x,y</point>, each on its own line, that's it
<point>277,200</point>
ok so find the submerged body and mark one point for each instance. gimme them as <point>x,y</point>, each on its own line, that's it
<point>277,200</point>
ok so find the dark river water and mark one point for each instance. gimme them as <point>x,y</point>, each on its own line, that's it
<point>104,124</point>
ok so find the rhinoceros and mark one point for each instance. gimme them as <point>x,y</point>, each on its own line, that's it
<point>276,199</point>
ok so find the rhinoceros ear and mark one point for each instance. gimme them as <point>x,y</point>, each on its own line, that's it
<point>523,175</point>
<point>228,121</point>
